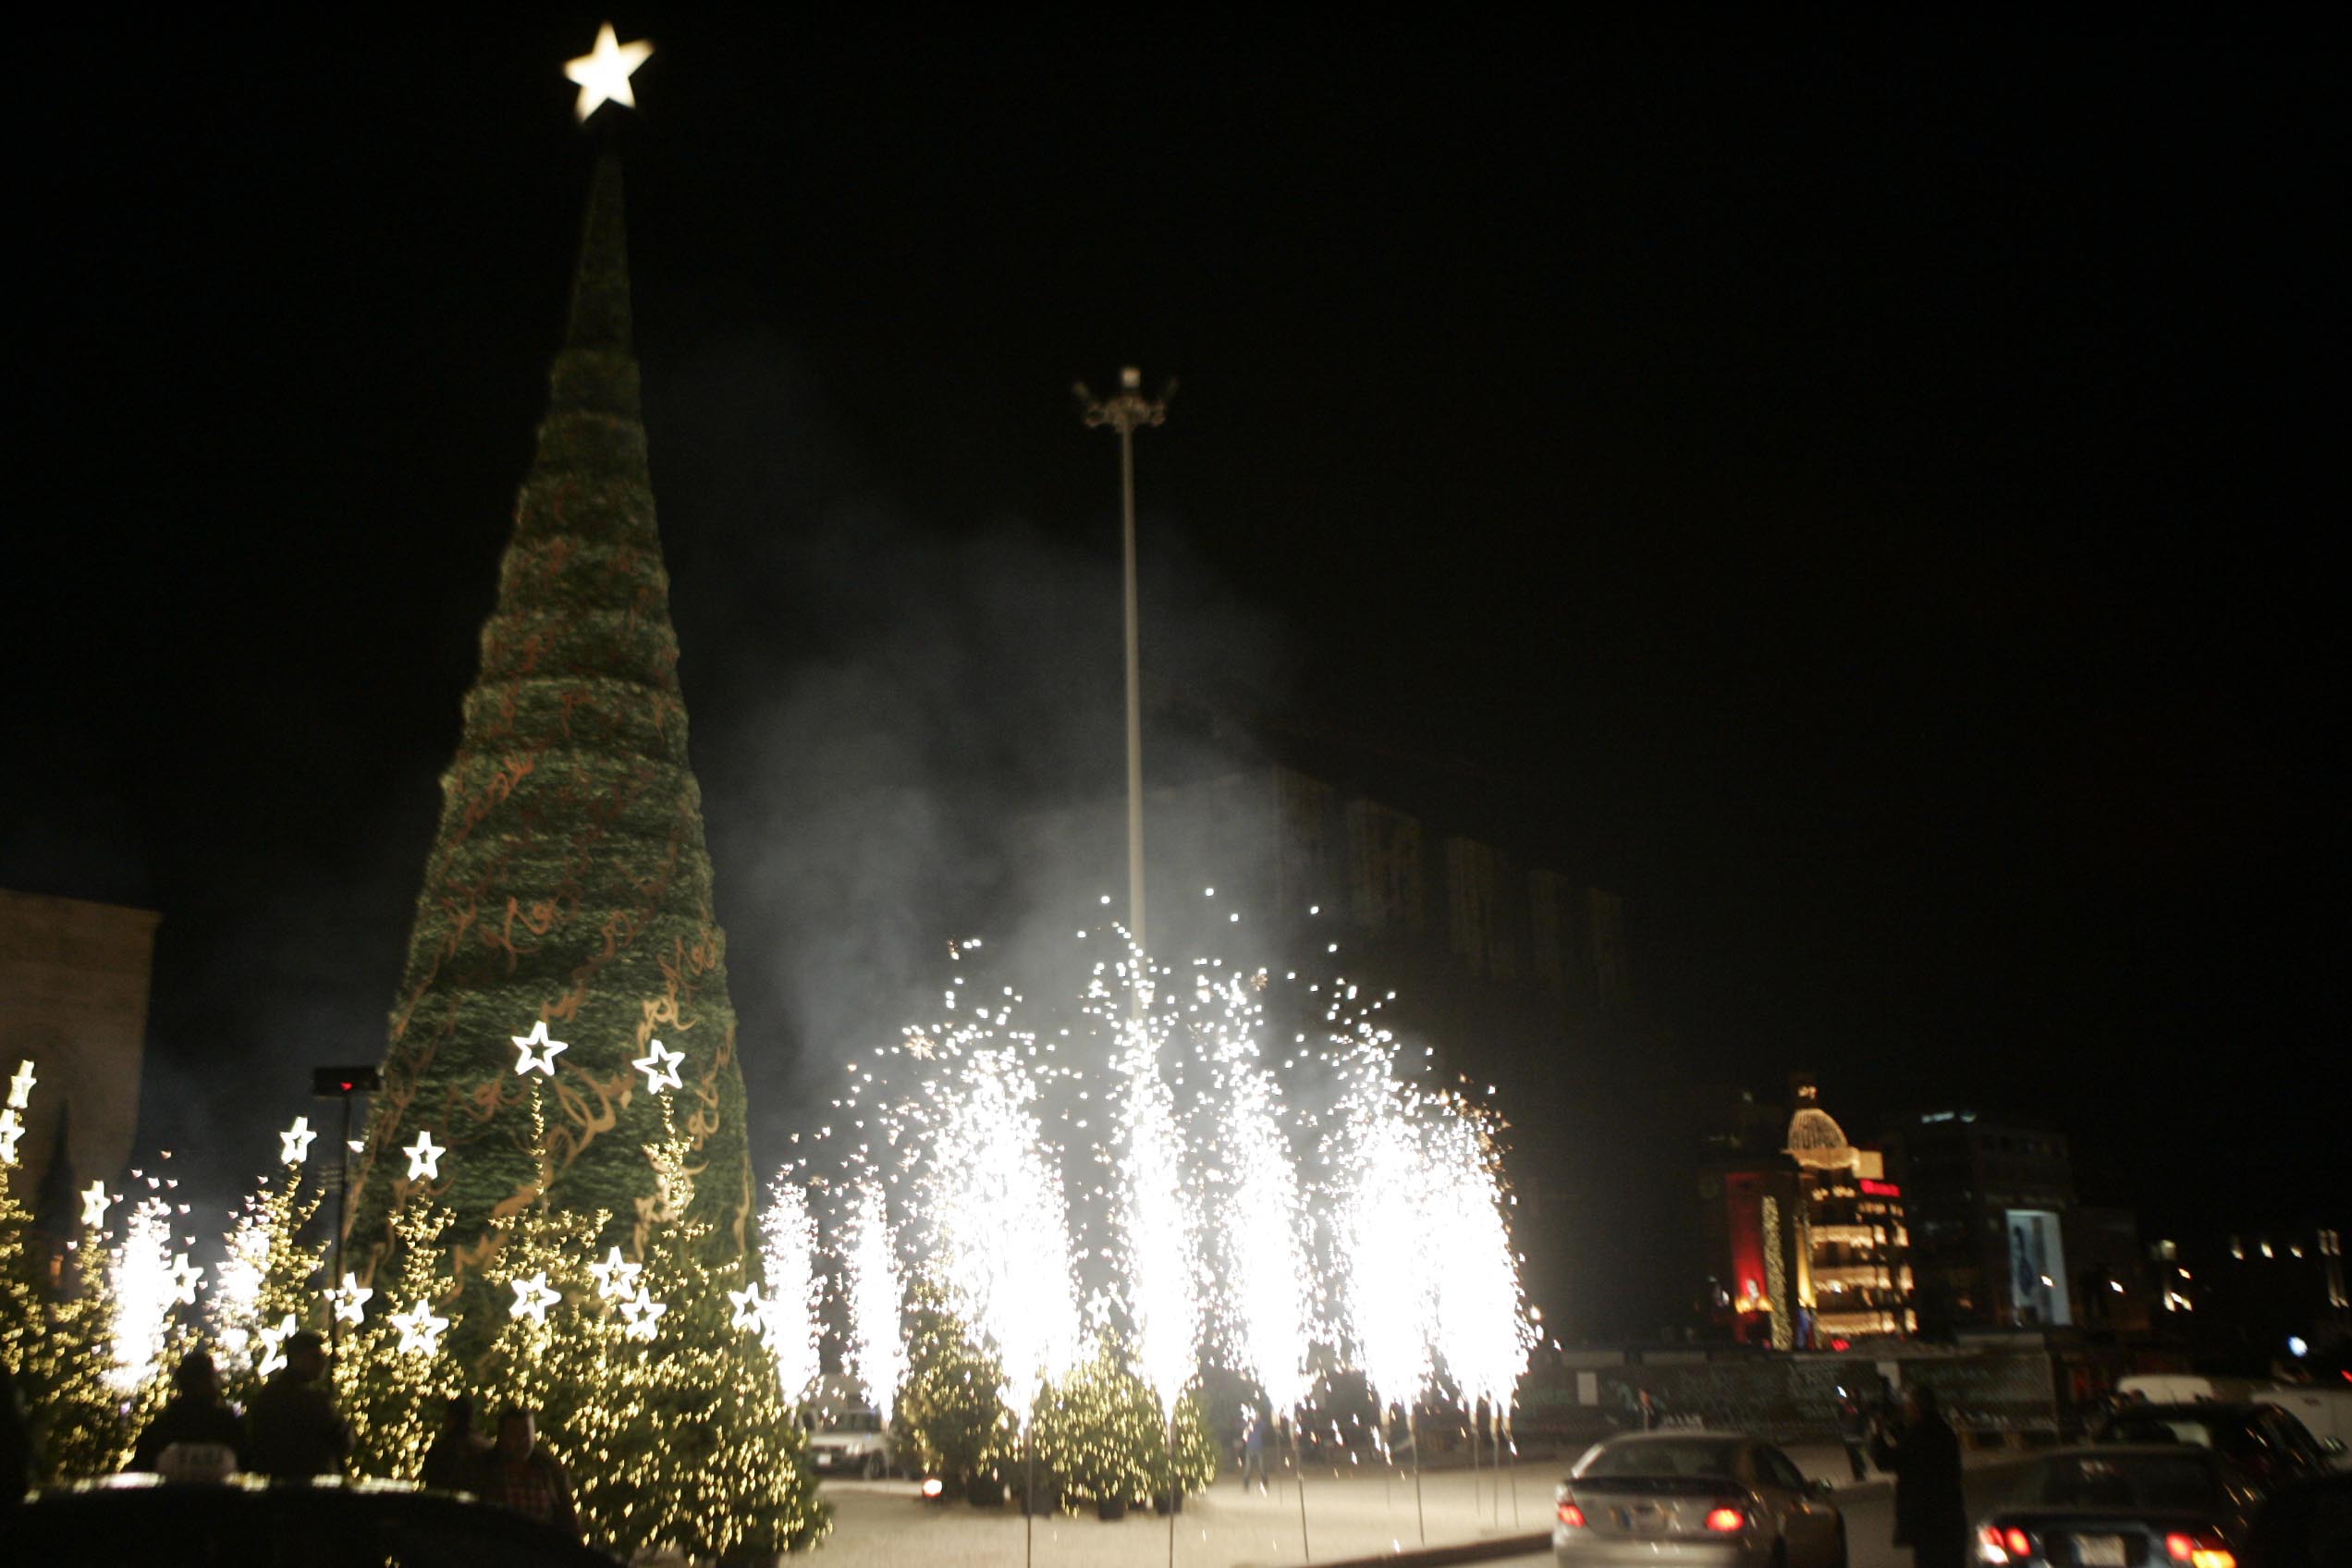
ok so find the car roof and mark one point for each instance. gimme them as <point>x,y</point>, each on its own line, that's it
<point>2128,1450</point>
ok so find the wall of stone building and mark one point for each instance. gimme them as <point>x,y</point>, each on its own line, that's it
<point>73,1001</point>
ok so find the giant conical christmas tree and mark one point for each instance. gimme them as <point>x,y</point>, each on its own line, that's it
<point>569,883</point>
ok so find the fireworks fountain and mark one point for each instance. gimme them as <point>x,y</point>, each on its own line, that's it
<point>876,1355</point>
<point>787,1256</point>
<point>140,1276</point>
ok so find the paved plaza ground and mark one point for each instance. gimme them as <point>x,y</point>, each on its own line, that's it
<point>1368,1513</point>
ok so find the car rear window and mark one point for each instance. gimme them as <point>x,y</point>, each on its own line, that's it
<point>1711,1457</point>
<point>2128,1482</point>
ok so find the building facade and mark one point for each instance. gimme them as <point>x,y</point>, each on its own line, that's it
<point>1807,1245</point>
<point>74,981</point>
<point>1988,1203</point>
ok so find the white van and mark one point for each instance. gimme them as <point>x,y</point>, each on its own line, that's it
<point>2327,1412</point>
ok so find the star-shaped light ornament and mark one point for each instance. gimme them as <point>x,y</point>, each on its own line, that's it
<point>603,73</point>
<point>185,1278</point>
<point>424,1158</point>
<point>273,1345</point>
<point>11,1132</point>
<point>537,1042</point>
<point>20,1086</point>
<point>95,1203</point>
<point>420,1329</point>
<point>614,1276</point>
<point>533,1297</point>
<point>642,1313</point>
<point>750,1311</point>
<point>350,1299</point>
<point>660,1068</point>
<point>294,1143</point>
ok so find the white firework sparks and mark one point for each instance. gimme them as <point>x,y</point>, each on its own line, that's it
<point>139,1274</point>
<point>1385,1290</point>
<point>788,1317</point>
<point>1480,1323</point>
<point>1156,1219</point>
<point>234,1308</point>
<point>998,1222</point>
<point>1254,1213</point>
<point>877,1354</point>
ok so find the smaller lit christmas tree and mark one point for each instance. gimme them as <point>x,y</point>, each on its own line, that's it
<point>949,1408</point>
<point>394,1372</point>
<point>267,1288</point>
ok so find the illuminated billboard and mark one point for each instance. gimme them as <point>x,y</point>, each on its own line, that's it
<point>2037,1268</point>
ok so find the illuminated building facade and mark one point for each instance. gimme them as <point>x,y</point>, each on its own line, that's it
<point>1808,1246</point>
<point>1858,1278</point>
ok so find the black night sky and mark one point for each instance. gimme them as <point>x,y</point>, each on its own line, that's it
<point>1868,485</point>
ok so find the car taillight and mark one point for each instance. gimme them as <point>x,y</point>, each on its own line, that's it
<point>2020,1544</point>
<point>1570,1514</point>
<point>1990,1546</point>
<point>1726,1521</point>
<point>2203,1550</point>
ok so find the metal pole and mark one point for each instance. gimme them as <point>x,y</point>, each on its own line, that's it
<point>1412,1434</point>
<point>1135,693</point>
<point>1125,413</point>
<point>342,1209</point>
<point>1514,1475</point>
<point>1298,1467</point>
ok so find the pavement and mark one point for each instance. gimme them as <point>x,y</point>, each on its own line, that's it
<point>1357,1517</point>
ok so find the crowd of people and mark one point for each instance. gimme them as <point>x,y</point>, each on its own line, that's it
<point>292,1431</point>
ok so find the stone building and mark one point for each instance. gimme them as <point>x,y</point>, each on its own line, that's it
<point>73,1002</point>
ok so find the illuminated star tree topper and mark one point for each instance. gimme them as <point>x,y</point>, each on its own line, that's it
<point>11,1131</point>
<point>94,1204</point>
<point>533,1297</point>
<point>294,1143</point>
<point>420,1328</point>
<point>660,1068</point>
<point>615,1276</point>
<point>350,1299</point>
<point>424,1158</point>
<point>20,1086</point>
<point>537,1049</point>
<point>603,73</point>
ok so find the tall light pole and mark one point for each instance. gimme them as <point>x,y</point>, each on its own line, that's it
<point>1127,411</point>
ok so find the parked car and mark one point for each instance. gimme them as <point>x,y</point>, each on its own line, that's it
<point>1666,1498</point>
<point>2116,1505</point>
<point>2307,1525</point>
<point>2266,1442</point>
<point>139,1521</point>
<point>851,1442</point>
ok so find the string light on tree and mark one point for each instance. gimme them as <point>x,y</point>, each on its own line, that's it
<point>615,1276</point>
<point>349,1300</point>
<point>533,1297</point>
<point>424,1158</point>
<point>660,1068</point>
<point>294,1143</point>
<point>186,1278</point>
<point>603,73</point>
<point>538,1051</point>
<point>420,1328</point>
<point>11,1131</point>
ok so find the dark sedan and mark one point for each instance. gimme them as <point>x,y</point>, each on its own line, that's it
<point>2266,1442</point>
<point>141,1522</point>
<point>2156,1505</point>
